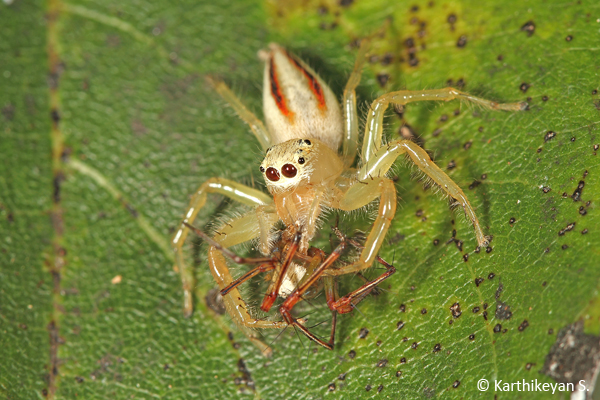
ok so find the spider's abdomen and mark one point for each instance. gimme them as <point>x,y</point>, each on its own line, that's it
<point>296,101</point>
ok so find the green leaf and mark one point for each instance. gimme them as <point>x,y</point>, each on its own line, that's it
<point>108,127</point>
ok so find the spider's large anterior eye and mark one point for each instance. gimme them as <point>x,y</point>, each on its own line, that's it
<point>272,174</point>
<point>289,171</point>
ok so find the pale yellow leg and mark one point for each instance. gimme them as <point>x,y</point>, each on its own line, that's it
<point>386,156</point>
<point>350,142</point>
<point>359,195</point>
<point>237,231</point>
<point>258,128</point>
<point>231,189</point>
<point>374,126</point>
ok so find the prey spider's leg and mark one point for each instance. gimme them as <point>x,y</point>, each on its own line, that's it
<point>350,142</point>
<point>230,254</point>
<point>267,262</point>
<point>273,292</point>
<point>296,296</point>
<point>258,128</point>
<point>233,190</point>
<point>374,126</point>
<point>385,157</point>
<point>248,275</point>
<point>347,303</point>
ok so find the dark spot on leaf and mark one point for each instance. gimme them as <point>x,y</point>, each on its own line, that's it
<point>544,98</point>
<point>491,275</point>
<point>466,257</point>
<point>512,221</point>
<point>484,315</point>
<point>523,325</point>
<point>529,27</point>
<point>474,184</point>
<point>398,374</point>
<point>549,136</point>
<point>400,325</point>
<point>546,189</point>
<point>503,311</point>
<point>569,38</point>
<point>476,310</point>
<point>436,242</point>
<point>55,116</point>
<point>483,177</point>
<point>568,228</point>
<point>497,328</point>
<point>574,356</point>
<point>403,360</point>
<point>402,308</point>
<point>342,377</point>
<point>472,336</point>
<point>382,363</point>
<point>451,19</point>
<point>451,165</point>
<point>583,232</point>
<point>382,79</point>
<point>352,354</point>
<point>437,348</point>
<point>456,384</point>
<point>424,311</point>
<point>379,388</point>
<point>462,41</point>
<point>455,309</point>
<point>500,57</point>
<point>368,388</point>
<point>331,387</point>
<point>577,193</point>
<point>528,366</point>
<point>467,145</point>
<point>564,247</point>
<point>524,87</point>
<point>346,3</point>
<point>363,333</point>
<point>414,345</point>
<point>478,281</point>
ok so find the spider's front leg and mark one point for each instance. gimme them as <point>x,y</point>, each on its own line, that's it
<point>234,191</point>
<point>360,194</point>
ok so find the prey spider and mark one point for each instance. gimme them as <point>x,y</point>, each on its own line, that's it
<point>311,144</point>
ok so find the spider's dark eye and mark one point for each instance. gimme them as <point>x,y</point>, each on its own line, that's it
<point>301,160</point>
<point>289,171</point>
<point>272,174</point>
<point>307,142</point>
<point>262,169</point>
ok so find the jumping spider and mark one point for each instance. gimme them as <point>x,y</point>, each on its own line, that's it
<point>311,145</point>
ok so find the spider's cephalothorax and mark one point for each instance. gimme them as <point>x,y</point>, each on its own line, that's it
<point>310,146</point>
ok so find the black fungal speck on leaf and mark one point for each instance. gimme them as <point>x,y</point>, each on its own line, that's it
<point>528,27</point>
<point>455,309</point>
<point>523,325</point>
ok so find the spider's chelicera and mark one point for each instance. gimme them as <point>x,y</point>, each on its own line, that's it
<point>311,144</point>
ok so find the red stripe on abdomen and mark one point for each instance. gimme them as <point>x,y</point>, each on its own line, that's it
<point>313,83</point>
<point>277,93</point>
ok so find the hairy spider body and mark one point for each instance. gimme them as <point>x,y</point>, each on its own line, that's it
<point>311,143</point>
